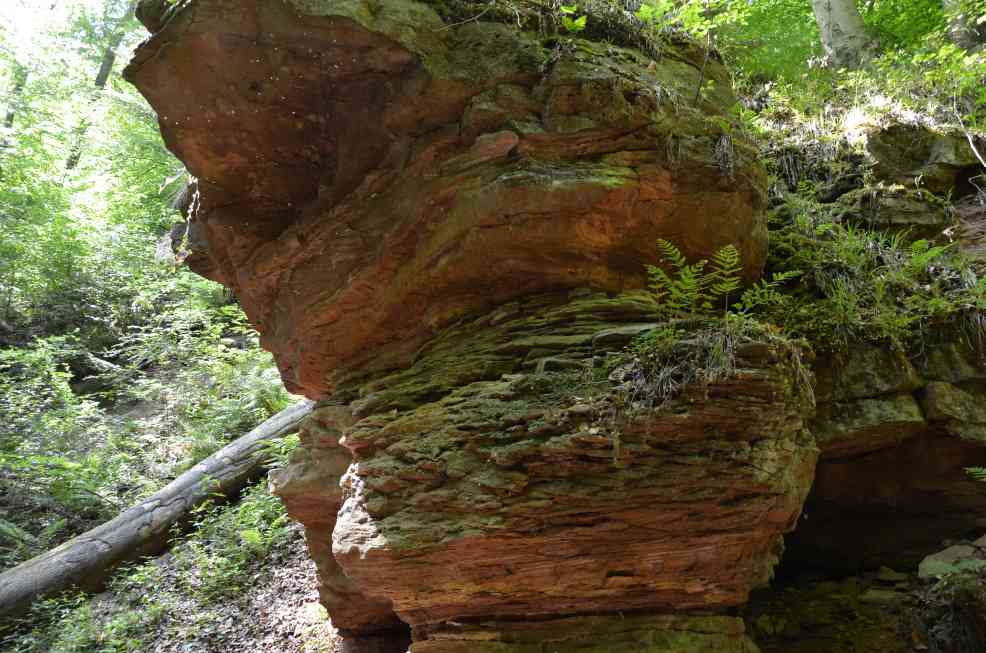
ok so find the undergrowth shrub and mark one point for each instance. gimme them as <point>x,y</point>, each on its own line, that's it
<point>661,363</point>
<point>171,391</point>
<point>861,284</point>
<point>218,561</point>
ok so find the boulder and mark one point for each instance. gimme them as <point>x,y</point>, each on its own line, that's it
<point>856,613</point>
<point>971,232</point>
<point>917,156</point>
<point>624,634</point>
<point>913,211</point>
<point>952,618</point>
<point>896,436</point>
<point>960,411</point>
<point>440,226</point>
<point>847,428</point>
<point>551,494</point>
<point>956,558</point>
<point>439,219</point>
<point>865,370</point>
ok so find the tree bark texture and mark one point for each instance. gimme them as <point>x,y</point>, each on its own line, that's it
<point>88,560</point>
<point>843,35</point>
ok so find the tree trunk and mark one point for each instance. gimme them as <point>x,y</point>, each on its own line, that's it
<point>102,77</point>
<point>88,560</point>
<point>843,36</point>
<point>14,98</point>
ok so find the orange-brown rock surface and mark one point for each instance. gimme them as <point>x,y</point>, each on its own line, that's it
<point>368,173</point>
<point>440,229</point>
<point>508,473</point>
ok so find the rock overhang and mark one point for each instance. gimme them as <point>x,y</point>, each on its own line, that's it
<point>368,173</point>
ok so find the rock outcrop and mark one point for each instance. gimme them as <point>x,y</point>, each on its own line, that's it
<point>439,216</point>
<point>440,230</point>
<point>916,156</point>
<point>504,473</point>
<point>896,437</point>
<point>368,173</point>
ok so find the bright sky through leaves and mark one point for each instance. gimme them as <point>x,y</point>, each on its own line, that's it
<point>22,21</point>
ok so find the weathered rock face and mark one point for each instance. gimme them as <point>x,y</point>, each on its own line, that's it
<point>916,156</point>
<point>440,230</point>
<point>540,494</point>
<point>619,634</point>
<point>504,473</point>
<point>895,436</point>
<point>916,212</point>
<point>971,217</point>
<point>368,173</point>
<point>872,612</point>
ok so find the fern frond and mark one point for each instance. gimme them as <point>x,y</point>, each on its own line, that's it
<point>726,263</point>
<point>694,288</point>
<point>779,278</point>
<point>724,287</point>
<point>671,254</point>
<point>659,281</point>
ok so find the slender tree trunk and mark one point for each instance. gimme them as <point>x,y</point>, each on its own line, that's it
<point>87,560</point>
<point>962,29</point>
<point>14,97</point>
<point>102,77</point>
<point>843,36</point>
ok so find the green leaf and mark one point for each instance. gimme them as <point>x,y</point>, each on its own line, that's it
<point>252,537</point>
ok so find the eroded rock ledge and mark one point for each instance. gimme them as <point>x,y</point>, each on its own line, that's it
<point>368,173</point>
<point>505,475</point>
<point>440,231</point>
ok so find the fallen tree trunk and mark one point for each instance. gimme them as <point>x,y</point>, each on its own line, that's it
<point>87,560</point>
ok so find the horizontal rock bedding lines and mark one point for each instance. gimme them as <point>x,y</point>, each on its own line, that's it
<point>504,481</point>
<point>367,175</point>
<point>441,230</point>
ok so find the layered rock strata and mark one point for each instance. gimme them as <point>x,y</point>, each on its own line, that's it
<point>440,229</point>
<point>505,474</point>
<point>367,173</point>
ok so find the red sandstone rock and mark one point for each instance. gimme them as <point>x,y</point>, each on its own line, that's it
<point>367,175</point>
<point>440,229</point>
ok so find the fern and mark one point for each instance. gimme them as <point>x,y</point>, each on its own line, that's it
<point>766,293</point>
<point>924,254</point>
<point>727,268</point>
<point>692,289</point>
<point>978,473</point>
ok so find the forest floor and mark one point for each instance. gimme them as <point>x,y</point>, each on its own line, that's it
<point>276,612</point>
